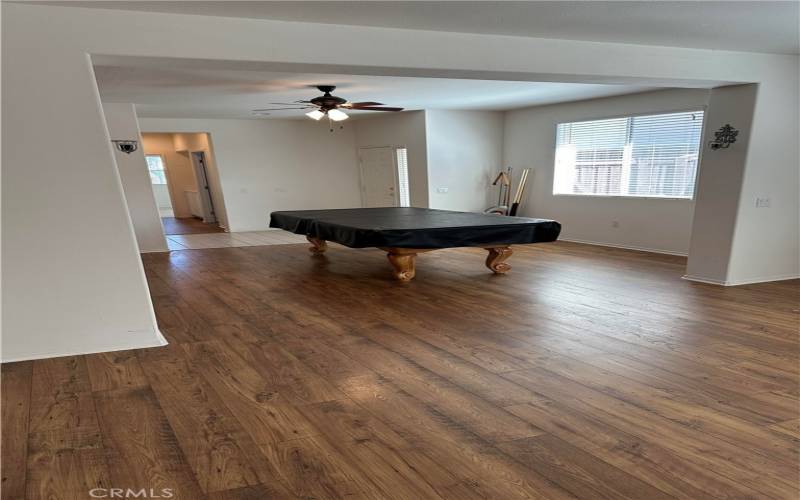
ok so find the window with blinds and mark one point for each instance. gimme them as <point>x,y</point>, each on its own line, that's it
<point>650,156</point>
<point>402,177</point>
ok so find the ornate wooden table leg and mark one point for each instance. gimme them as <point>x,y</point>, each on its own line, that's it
<point>403,261</point>
<point>495,259</point>
<point>317,245</point>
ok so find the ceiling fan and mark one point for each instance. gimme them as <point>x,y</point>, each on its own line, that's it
<point>328,105</point>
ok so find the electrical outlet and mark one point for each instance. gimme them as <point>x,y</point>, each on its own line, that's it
<point>763,202</point>
<point>442,190</point>
<point>614,223</point>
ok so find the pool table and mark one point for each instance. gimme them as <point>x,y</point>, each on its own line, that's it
<point>403,232</point>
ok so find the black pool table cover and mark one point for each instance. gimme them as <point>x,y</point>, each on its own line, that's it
<point>409,227</point>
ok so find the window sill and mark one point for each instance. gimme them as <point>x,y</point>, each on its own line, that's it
<point>619,196</point>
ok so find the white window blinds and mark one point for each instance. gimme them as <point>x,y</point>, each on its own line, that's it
<point>652,156</point>
<point>402,177</point>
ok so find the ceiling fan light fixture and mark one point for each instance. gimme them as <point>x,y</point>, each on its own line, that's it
<point>315,115</point>
<point>337,115</point>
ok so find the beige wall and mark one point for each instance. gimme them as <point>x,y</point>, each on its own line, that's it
<point>465,154</point>
<point>179,170</point>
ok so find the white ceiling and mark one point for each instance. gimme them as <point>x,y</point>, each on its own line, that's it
<point>224,93</point>
<point>753,26</point>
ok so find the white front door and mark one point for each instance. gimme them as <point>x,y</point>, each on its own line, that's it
<point>378,177</point>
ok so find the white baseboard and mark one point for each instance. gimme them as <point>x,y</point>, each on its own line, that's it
<point>159,341</point>
<point>624,247</point>
<point>712,281</point>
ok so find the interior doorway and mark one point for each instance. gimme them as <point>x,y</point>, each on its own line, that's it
<point>185,182</point>
<point>384,176</point>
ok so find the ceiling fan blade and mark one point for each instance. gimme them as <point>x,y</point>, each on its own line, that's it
<point>354,105</point>
<point>287,103</point>
<point>276,109</point>
<point>373,108</point>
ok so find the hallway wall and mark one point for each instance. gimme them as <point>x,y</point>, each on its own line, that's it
<point>179,170</point>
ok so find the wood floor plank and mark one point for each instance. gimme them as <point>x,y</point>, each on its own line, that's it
<point>733,464</point>
<point>664,396</point>
<point>329,363</point>
<point>61,404</point>
<point>115,370</point>
<point>383,455</point>
<point>647,461</point>
<point>577,471</point>
<point>487,469</point>
<point>15,402</point>
<point>470,377</point>
<point>140,446</point>
<point>476,414</point>
<point>65,473</point>
<point>314,469</point>
<point>790,428</point>
<point>259,492</point>
<point>284,373</point>
<point>264,413</point>
<point>220,452</point>
<point>66,458</point>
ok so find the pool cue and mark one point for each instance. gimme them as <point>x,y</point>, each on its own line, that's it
<point>514,204</point>
<point>508,189</point>
<point>520,190</point>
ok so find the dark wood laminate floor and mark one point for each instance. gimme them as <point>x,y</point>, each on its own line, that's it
<point>188,225</point>
<point>586,372</point>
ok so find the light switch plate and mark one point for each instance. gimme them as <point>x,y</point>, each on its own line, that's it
<point>763,202</point>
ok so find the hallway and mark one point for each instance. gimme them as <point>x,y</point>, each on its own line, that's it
<point>188,225</point>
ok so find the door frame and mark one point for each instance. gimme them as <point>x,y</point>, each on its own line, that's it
<point>396,180</point>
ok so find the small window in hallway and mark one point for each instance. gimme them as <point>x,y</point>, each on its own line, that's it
<point>402,177</point>
<point>155,164</point>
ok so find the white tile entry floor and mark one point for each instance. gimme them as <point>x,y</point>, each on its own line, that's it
<point>222,240</point>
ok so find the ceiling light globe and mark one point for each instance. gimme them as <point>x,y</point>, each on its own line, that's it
<point>315,115</point>
<point>337,115</point>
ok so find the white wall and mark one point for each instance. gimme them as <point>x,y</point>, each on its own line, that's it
<point>83,290</point>
<point>78,287</point>
<point>465,154</point>
<point>161,193</point>
<point>720,180</point>
<point>268,165</point>
<point>406,129</point>
<point>122,124</point>
<point>648,224</point>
